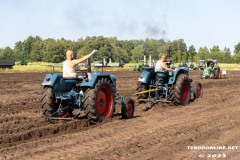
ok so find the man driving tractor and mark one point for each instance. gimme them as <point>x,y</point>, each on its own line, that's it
<point>69,70</point>
<point>161,64</point>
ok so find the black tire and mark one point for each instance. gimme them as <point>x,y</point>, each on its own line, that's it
<point>142,87</point>
<point>127,109</point>
<point>197,90</point>
<point>48,102</point>
<point>181,93</point>
<point>99,101</point>
<point>215,73</point>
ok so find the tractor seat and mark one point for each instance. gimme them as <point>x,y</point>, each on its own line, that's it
<point>162,77</point>
<point>73,80</point>
<point>162,74</point>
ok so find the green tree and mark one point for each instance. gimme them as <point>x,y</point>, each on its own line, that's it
<point>119,54</point>
<point>178,47</point>
<point>191,52</point>
<point>36,53</point>
<point>6,53</point>
<point>202,53</point>
<point>127,46</point>
<point>53,51</point>
<point>217,54</point>
<point>138,53</point>
<point>237,48</point>
<point>19,53</point>
<point>236,58</point>
<point>227,55</point>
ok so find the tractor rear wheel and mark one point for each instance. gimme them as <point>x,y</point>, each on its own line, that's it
<point>142,87</point>
<point>197,90</point>
<point>182,91</point>
<point>99,101</point>
<point>128,108</point>
<point>49,106</point>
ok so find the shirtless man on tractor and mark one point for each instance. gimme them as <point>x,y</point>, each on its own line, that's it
<point>69,70</point>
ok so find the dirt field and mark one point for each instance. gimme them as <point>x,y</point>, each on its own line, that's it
<point>163,132</point>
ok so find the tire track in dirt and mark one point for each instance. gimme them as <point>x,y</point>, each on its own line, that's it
<point>98,141</point>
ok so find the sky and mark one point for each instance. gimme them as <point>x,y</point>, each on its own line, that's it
<point>199,22</point>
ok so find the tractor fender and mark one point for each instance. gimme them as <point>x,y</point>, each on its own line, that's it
<point>96,76</point>
<point>55,81</point>
<point>145,76</point>
<point>51,79</point>
<point>180,70</point>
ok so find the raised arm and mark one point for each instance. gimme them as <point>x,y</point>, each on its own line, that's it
<point>76,61</point>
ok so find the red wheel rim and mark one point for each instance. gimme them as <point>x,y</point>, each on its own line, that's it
<point>199,90</point>
<point>185,92</point>
<point>129,108</point>
<point>104,102</point>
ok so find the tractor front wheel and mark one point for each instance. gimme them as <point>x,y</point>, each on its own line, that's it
<point>99,101</point>
<point>128,108</point>
<point>182,91</point>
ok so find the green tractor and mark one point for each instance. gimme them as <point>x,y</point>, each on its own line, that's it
<point>211,70</point>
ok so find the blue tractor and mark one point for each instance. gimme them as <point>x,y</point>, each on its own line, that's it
<point>168,87</point>
<point>93,99</point>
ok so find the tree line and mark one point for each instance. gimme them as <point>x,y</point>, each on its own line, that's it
<point>36,49</point>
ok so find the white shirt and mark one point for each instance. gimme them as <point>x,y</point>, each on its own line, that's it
<point>158,66</point>
<point>68,72</point>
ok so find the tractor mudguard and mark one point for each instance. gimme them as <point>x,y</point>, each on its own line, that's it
<point>180,70</point>
<point>146,74</point>
<point>55,81</point>
<point>96,76</point>
<point>51,79</point>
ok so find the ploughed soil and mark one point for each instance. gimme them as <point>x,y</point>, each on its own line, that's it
<point>162,132</point>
